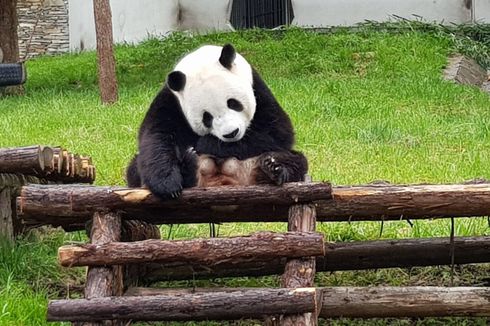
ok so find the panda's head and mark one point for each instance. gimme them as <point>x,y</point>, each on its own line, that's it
<point>214,86</point>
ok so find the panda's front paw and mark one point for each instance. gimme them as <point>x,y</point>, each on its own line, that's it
<point>274,170</point>
<point>167,188</point>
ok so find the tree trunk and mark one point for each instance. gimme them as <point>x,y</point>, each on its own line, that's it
<point>259,246</point>
<point>105,53</point>
<point>239,304</point>
<point>9,42</point>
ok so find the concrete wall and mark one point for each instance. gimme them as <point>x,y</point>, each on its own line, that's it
<point>349,12</point>
<point>482,11</point>
<point>135,20</point>
<point>132,20</point>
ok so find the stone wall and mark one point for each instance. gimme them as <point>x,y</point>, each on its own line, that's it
<point>45,24</point>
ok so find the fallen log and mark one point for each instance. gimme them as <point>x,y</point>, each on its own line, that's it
<point>66,200</point>
<point>358,255</point>
<point>379,301</point>
<point>243,303</point>
<point>38,205</point>
<point>26,160</point>
<point>259,246</point>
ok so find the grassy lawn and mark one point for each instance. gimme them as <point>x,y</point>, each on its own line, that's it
<point>366,106</point>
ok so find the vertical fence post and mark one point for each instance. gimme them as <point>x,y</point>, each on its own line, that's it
<point>107,280</point>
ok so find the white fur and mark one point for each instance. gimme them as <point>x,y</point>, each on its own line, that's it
<point>208,87</point>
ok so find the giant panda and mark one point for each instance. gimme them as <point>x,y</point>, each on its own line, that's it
<point>215,122</point>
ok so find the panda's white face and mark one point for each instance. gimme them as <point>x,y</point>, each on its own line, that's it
<point>214,88</point>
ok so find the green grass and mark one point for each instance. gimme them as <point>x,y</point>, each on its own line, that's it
<point>366,106</point>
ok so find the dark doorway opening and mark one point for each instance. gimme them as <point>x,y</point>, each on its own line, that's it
<point>261,13</point>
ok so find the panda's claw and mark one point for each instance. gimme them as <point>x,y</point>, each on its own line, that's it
<point>191,151</point>
<point>276,172</point>
<point>176,194</point>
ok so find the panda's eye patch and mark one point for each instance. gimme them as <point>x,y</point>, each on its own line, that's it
<point>207,119</point>
<point>234,105</point>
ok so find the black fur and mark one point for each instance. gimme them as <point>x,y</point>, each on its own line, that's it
<point>228,55</point>
<point>282,167</point>
<point>165,164</point>
<point>176,81</point>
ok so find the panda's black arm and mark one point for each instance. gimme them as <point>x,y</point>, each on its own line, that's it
<point>158,164</point>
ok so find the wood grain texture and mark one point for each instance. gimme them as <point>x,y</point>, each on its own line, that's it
<point>379,301</point>
<point>26,160</point>
<point>243,303</point>
<point>6,214</point>
<point>104,281</point>
<point>418,301</point>
<point>134,230</point>
<point>348,302</point>
<point>45,162</point>
<point>355,203</point>
<point>259,246</point>
<point>106,63</point>
<point>300,272</point>
<point>10,185</point>
<point>398,202</point>
<point>356,255</point>
<point>75,200</point>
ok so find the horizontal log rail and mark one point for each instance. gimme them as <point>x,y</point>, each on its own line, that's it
<point>222,304</point>
<point>357,255</point>
<point>71,206</point>
<point>261,246</point>
<point>377,301</point>
<point>239,304</point>
<point>74,200</point>
<point>398,302</point>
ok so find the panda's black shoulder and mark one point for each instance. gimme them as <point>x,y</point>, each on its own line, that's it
<point>270,117</point>
<point>165,116</point>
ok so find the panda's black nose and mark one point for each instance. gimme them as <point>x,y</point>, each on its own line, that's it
<point>231,134</point>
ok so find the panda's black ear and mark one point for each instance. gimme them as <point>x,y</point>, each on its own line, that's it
<point>176,81</point>
<point>228,55</point>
